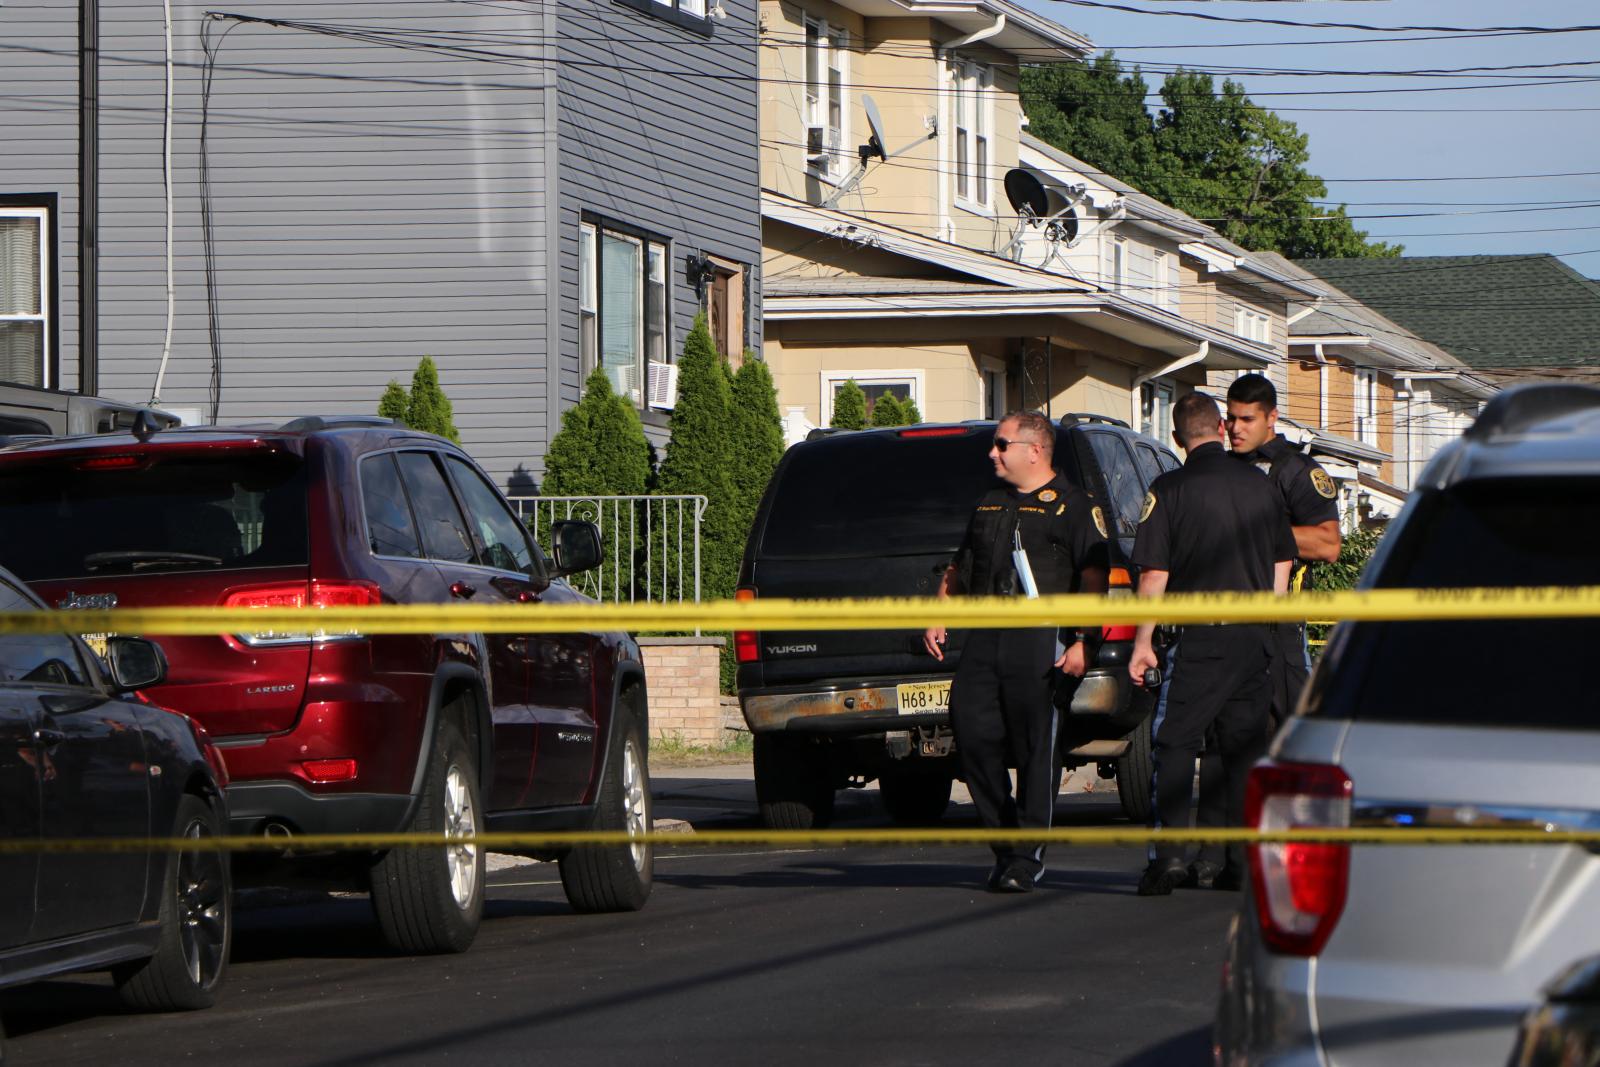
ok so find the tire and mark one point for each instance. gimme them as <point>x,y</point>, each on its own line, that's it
<point>915,796</point>
<point>616,877</point>
<point>196,924</point>
<point>793,790</point>
<point>430,900</point>
<point>1133,775</point>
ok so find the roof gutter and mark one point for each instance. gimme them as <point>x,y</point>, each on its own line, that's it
<point>1197,356</point>
<point>976,35</point>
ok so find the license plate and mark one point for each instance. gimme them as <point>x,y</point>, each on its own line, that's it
<point>99,642</point>
<point>919,697</point>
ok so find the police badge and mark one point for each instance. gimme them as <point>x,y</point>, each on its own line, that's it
<point>1149,506</point>
<point>1099,521</point>
<point>1322,483</point>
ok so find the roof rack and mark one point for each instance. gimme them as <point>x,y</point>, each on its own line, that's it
<point>312,423</point>
<point>819,432</point>
<point>1076,418</point>
<point>1526,406</point>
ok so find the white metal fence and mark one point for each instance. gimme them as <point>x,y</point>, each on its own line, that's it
<point>650,544</point>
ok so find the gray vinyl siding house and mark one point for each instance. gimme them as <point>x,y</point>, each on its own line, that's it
<point>357,185</point>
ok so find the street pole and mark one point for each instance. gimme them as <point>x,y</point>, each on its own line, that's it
<point>88,196</point>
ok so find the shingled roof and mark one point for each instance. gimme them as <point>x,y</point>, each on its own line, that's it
<point>1520,315</point>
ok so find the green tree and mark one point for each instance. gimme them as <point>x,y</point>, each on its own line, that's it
<point>908,408</point>
<point>1356,548</point>
<point>888,412</point>
<point>395,403</point>
<point>429,409</point>
<point>601,449</point>
<point>849,407</point>
<point>1210,152</point>
<point>757,444</point>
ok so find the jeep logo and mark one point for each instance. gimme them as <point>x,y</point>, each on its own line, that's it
<point>789,650</point>
<point>87,601</point>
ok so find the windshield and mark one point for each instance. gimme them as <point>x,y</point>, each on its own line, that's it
<point>168,514</point>
<point>1529,532</point>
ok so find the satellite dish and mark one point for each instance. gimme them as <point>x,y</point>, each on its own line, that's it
<point>1027,195</point>
<point>1039,205</point>
<point>873,149</point>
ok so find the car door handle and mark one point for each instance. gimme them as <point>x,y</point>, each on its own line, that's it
<point>462,590</point>
<point>47,737</point>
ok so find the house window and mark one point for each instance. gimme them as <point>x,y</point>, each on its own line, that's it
<point>25,274</point>
<point>827,52</point>
<point>1252,325</point>
<point>1117,264</point>
<point>690,14</point>
<point>1162,292</point>
<point>1155,410</point>
<point>622,306</point>
<point>905,385</point>
<point>1366,398</point>
<point>974,121</point>
<point>994,394</point>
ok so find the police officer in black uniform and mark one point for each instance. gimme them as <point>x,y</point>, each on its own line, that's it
<point>1214,525</point>
<point>1311,501</point>
<point>1037,535</point>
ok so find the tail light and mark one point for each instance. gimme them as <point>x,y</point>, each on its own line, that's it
<point>1299,887</point>
<point>746,643</point>
<point>1119,583</point>
<point>316,594</point>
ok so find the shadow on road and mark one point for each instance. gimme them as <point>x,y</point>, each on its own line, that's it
<point>1192,1048</point>
<point>822,874</point>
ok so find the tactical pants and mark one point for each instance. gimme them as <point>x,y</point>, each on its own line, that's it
<point>1217,677</point>
<point>1003,714</point>
<point>1291,666</point>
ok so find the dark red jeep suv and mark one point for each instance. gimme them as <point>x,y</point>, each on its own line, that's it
<point>344,732</point>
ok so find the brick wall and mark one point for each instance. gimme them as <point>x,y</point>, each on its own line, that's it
<point>685,688</point>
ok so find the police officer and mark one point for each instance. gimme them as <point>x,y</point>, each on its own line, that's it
<point>1214,525</point>
<point>1310,500</point>
<point>1036,535</point>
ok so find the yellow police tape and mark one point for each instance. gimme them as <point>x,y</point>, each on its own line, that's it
<point>1393,605</point>
<point>556,842</point>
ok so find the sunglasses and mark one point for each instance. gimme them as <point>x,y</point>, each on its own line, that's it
<point>1001,444</point>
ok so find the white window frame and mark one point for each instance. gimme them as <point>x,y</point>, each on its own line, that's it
<point>1160,283</point>
<point>1118,279</point>
<point>1366,406</point>
<point>832,379</point>
<point>655,257</point>
<point>1155,409</point>
<point>46,272</point>
<point>972,126</point>
<point>991,389</point>
<point>827,60</point>
<point>1252,325</point>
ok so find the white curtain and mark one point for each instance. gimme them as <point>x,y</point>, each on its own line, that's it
<point>21,342</point>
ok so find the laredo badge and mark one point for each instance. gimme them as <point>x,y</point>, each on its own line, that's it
<point>1099,521</point>
<point>1149,506</point>
<point>1048,495</point>
<point>1322,483</point>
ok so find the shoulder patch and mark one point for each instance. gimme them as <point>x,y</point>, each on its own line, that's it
<point>1099,521</point>
<point>1048,495</point>
<point>1323,484</point>
<point>1149,506</point>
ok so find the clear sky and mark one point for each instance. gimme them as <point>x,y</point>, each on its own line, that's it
<point>1500,126</point>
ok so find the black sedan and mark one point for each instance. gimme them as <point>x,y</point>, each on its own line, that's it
<point>82,755</point>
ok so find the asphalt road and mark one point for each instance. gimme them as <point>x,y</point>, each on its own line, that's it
<point>880,956</point>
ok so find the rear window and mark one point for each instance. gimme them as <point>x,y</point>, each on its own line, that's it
<point>173,513</point>
<point>1480,673</point>
<point>877,496</point>
<point>1122,480</point>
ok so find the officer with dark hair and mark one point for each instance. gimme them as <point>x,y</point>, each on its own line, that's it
<point>1214,525</point>
<point>1037,535</point>
<point>1310,500</point>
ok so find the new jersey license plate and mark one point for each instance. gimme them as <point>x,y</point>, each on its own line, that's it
<point>917,698</point>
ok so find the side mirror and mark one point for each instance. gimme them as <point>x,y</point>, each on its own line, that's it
<point>135,663</point>
<point>576,546</point>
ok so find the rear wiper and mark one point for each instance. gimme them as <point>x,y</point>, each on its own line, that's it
<point>138,558</point>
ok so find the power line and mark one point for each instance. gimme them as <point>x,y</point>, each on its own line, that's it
<point>1365,27</point>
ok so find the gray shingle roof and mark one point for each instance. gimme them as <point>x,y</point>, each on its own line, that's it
<point>1491,312</point>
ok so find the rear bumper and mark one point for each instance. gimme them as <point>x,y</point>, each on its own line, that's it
<point>254,806</point>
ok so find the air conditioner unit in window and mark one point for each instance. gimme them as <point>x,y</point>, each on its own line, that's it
<point>664,385</point>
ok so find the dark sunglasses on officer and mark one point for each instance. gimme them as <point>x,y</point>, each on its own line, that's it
<point>1001,444</point>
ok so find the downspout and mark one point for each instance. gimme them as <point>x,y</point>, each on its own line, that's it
<point>1197,356</point>
<point>88,196</point>
<point>166,186</point>
<point>975,36</point>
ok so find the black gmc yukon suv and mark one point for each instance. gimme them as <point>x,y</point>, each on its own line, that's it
<point>880,513</point>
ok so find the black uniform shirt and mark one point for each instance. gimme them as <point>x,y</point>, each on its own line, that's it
<point>1063,531</point>
<point>1215,525</point>
<point>1308,492</point>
